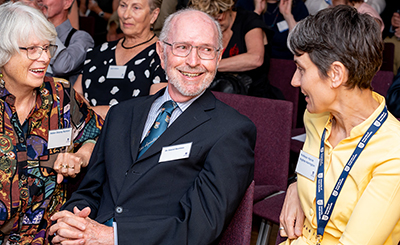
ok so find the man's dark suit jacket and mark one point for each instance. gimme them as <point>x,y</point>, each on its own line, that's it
<point>186,201</point>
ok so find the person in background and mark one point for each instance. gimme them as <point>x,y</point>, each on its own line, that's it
<point>73,15</point>
<point>114,31</point>
<point>72,44</point>
<point>135,194</point>
<point>245,41</point>
<point>391,33</point>
<point>101,10</point>
<point>167,7</point>
<point>362,7</point>
<point>42,121</point>
<point>281,17</point>
<point>314,6</point>
<point>125,68</point>
<point>350,194</point>
<point>378,5</point>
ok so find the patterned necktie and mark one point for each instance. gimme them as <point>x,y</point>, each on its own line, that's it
<point>159,126</point>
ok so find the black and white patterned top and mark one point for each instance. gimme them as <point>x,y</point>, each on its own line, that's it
<point>142,71</point>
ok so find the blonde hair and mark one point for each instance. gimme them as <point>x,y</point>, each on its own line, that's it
<point>212,7</point>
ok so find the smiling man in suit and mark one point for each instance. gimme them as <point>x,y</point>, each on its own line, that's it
<point>182,187</point>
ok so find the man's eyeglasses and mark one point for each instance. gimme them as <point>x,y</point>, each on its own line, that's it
<point>205,52</point>
<point>34,52</point>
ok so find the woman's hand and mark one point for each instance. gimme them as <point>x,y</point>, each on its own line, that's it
<point>292,215</point>
<point>396,20</point>
<point>285,7</point>
<point>397,33</point>
<point>93,6</point>
<point>70,164</point>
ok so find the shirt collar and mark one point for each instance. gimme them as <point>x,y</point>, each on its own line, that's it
<point>360,129</point>
<point>181,105</point>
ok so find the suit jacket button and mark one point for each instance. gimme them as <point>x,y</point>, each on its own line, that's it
<point>119,210</point>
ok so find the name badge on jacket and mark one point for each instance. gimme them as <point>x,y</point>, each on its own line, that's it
<point>116,72</point>
<point>175,152</point>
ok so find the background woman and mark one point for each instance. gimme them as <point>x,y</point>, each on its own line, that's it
<point>119,70</point>
<point>39,119</point>
<point>280,16</point>
<point>244,40</point>
<point>353,196</point>
<point>361,7</point>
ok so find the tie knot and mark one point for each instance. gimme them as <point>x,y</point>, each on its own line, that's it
<point>169,106</point>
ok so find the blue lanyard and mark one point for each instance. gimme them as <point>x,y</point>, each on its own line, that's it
<point>324,213</point>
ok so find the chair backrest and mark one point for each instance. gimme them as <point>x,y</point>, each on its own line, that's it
<point>388,57</point>
<point>273,119</point>
<point>239,230</point>
<point>280,75</point>
<point>382,81</point>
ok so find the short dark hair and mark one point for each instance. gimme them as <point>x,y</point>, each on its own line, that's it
<point>341,34</point>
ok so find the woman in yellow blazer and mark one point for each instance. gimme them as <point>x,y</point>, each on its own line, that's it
<point>349,170</point>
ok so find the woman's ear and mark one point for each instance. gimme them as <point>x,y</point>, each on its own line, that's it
<point>338,74</point>
<point>160,52</point>
<point>154,16</point>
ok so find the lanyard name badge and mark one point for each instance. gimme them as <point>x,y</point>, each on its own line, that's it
<point>324,213</point>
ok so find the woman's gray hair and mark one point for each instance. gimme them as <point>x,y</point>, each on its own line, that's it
<point>167,26</point>
<point>18,24</point>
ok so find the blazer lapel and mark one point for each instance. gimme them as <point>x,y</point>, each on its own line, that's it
<point>190,119</point>
<point>140,113</point>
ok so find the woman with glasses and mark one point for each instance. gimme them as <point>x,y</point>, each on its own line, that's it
<point>41,122</point>
<point>246,53</point>
<point>126,68</point>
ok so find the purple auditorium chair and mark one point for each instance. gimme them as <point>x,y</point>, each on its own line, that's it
<point>280,75</point>
<point>382,81</point>
<point>388,57</point>
<point>269,210</point>
<point>279,239</point>
<point>273,119</point>
<point>239,230</point>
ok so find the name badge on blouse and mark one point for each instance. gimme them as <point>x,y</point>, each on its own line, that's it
<point>175,152</point>
<point>307,165</point>
<point>59,138</point>
<point>116,72</point>
<point>282,26</point>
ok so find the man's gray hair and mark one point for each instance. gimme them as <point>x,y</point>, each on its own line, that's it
<point>18,24</point>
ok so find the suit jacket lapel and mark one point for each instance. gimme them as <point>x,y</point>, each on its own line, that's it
<point>190,119</point>
<point>140,113</point>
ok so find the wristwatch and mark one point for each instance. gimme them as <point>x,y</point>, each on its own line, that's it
<point>101,14</point>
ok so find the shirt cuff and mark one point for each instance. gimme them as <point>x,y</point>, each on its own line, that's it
<point>115,233</point>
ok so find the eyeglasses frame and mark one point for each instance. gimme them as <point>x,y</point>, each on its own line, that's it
<point>41,50</point>
<point>191,48</point>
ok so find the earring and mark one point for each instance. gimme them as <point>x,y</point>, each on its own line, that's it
<point>1,81</point>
